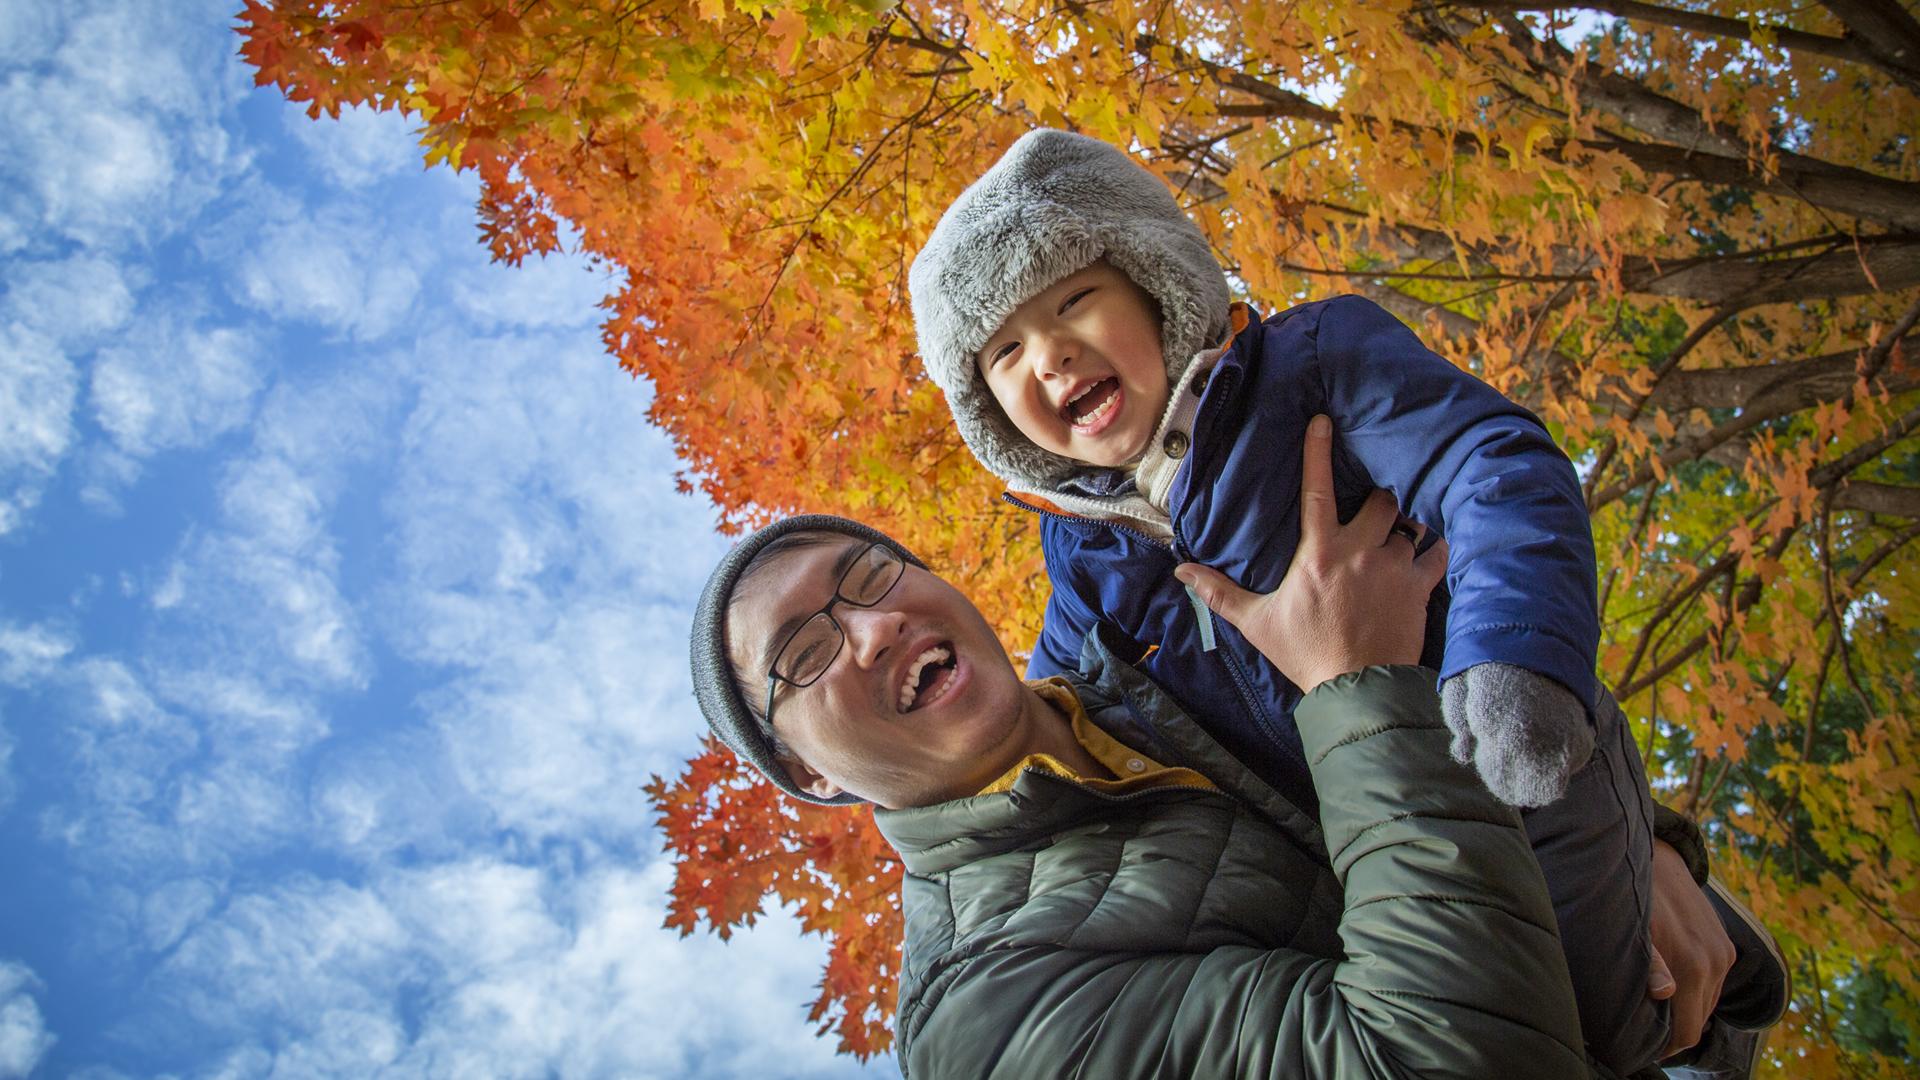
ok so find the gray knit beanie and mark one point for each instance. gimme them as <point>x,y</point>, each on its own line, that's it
<point>714,682</point>
<point>1051,206</point>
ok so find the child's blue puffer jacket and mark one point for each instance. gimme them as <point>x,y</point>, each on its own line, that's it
<point>1461,459</point>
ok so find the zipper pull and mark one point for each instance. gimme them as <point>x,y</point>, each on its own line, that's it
<point>1207,644</point>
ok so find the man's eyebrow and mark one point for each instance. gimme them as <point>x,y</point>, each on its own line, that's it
<point>841,564</point>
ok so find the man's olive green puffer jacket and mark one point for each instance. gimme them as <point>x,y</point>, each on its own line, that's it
<point>1177,932</point>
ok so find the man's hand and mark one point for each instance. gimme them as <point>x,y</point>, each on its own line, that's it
<point>1691,950</point>
<point>1354,595</point>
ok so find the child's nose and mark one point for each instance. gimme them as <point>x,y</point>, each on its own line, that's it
<point>1056,355</point>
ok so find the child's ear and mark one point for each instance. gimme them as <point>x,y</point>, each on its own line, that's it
<point>808,780</point>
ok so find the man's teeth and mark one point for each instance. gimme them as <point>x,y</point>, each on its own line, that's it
<point>910,687</point>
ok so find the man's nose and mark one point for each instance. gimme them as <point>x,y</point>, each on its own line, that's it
<point>870,632</point>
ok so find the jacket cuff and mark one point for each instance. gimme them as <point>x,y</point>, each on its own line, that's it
<point>1525,647</point>
<point>1680,832</point>
<point>1362,702</point>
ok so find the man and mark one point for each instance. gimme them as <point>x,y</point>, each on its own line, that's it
<point>1094,886</point>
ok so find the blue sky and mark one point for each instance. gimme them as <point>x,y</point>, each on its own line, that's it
<point>343,596</point>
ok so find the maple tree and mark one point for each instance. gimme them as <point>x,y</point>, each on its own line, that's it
<point>1687,234</point>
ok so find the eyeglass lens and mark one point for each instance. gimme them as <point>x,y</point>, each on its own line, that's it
<point>812,648</point>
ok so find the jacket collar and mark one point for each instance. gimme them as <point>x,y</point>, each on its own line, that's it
<point>1107,663</point>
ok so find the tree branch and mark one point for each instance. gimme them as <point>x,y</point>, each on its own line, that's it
<point>1795,385</point>
<point>1884,29</point>
<point>1652,114</point>
<point>1886,265</point>
<point>1790,399</point>
<point>1866,451</point>
<point>1848,266</point>
<point>1893,202</point>
<point>1549,379</point>
<point>1894,500</point>
<point>1661,373</point>
<point>1748,595</point>
<point>1838,48</point>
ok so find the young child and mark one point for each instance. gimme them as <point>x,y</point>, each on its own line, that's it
<point>1093,359</point>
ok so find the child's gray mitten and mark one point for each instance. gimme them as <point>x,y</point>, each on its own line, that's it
<point>1524,733</point>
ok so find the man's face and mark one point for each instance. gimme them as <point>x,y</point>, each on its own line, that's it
<point>920,706</point>
<point>1078,368</point>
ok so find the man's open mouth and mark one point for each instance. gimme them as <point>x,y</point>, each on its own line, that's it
<point>1091,405</point>
<point>927,677</point>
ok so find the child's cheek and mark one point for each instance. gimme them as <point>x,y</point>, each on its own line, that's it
<point>1023,411</point>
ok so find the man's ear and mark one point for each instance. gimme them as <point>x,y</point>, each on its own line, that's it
<point>806,779</point>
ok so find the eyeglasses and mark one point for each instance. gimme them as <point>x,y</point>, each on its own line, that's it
<point>809,651</point>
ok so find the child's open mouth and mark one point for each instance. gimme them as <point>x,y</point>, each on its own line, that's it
<point>928,677</point>
<point>1089,411</point>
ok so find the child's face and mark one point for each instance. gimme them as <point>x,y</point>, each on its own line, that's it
<point>1078,367</point>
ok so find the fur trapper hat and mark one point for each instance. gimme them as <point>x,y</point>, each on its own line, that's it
<point>1051,206</point>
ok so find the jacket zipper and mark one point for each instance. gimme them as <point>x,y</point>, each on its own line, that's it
<point>1015,500</point>
<point>1242,686</point>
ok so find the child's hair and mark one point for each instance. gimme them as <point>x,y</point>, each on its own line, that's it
<point>1051,206</point>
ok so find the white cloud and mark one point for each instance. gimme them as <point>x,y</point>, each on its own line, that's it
<point>24,1038</point>
<point>393,794</point>
<point>37,388</point>
<point>278,501</point>
<point>169,911</point>
<point>275,611</point>
<point>110,130</point>
<point>533,971</point>
<point>111,139</point>
<point>563,723</point>
<point>555,291</point>
<point>26,30</point>
<point>124,746</point>
<point>176,388</point>
<point>171,774</point>
<point>544,559</point>
<point>528,454</point>
<point>29,653</point>
<point>335,269</point>
<point>176,773</point>
<point>193,753</point>
<point>71,300</point>
<point>284,954</point>
<point>361,147</point>
<point>261,593</point>
<point>8,789</point>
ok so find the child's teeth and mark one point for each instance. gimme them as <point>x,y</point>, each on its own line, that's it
<point>1098,412</point>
